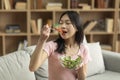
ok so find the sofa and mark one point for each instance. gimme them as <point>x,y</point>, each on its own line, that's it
<point>105,65</point>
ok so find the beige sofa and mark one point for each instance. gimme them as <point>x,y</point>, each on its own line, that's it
<point>105,65</point>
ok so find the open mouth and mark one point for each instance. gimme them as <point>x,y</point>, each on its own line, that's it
<point>61,30</point>
<point>64,31</point>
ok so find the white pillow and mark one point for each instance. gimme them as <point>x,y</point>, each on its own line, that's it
<point>15,66</point>
<point>96,65</point>
<point>84,39</point>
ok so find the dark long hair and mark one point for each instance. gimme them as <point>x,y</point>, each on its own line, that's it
<point>75,19</point>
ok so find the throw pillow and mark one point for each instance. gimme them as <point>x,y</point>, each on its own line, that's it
<point>15,66</point>
<point>97,64</point>
<point>84,39</point>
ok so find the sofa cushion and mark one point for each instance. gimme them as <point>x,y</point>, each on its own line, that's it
<point>107,75</point>
<point>96,65</point>
<point>15,66</point>
<point>42,72</point>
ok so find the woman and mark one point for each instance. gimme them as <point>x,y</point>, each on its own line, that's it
<point>69,43</point>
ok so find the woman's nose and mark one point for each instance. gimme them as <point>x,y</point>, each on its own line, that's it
<point>63,25</point>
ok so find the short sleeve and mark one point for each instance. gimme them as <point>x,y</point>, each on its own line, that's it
<point>85,54</point>
<point>49,47</point>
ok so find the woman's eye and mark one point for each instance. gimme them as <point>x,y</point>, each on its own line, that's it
<point>68,23</point>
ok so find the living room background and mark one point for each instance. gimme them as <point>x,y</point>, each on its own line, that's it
<point>21,21</point>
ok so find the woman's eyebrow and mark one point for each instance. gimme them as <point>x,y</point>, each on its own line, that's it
<point>65,20</point>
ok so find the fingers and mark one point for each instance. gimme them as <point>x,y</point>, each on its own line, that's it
<point>79,66</point>
<point>46,28</point>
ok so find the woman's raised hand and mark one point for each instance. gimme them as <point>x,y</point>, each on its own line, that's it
<point>45,32</point>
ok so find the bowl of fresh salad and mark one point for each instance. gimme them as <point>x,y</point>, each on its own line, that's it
<point>69,62</point>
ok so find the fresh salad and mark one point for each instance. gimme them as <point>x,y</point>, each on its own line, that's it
<point>57,28</point>
<point>70,63</point>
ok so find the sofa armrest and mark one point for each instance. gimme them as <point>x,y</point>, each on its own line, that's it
<point>111,60</point>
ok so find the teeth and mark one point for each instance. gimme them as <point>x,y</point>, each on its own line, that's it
<point>64,31</point>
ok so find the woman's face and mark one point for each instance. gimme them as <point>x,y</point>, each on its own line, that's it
<point>67,27</point>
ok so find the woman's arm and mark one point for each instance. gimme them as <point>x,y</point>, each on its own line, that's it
<point>82,73</point>
<point>39,55</point>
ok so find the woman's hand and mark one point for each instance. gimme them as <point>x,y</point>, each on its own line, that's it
<point>82,73</point>
<point>45,32</point>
